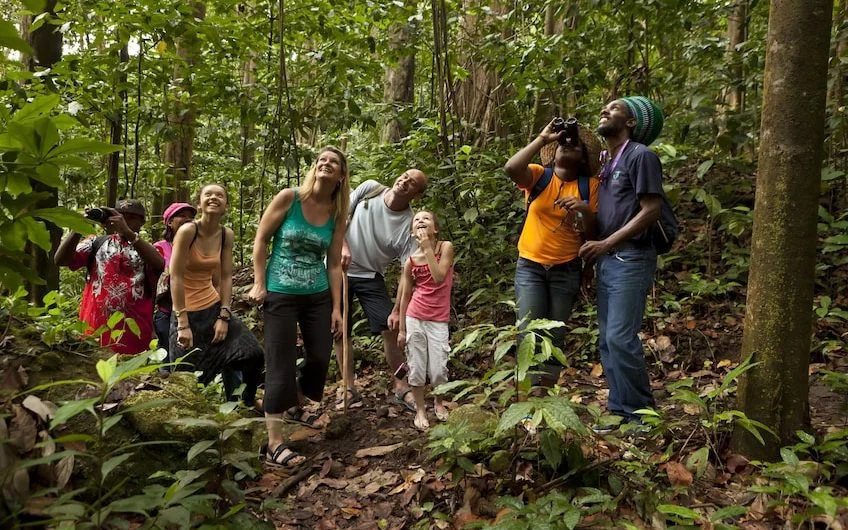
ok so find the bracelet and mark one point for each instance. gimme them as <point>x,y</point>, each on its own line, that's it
<point>225,319</point>
<point>227,309</point>
<point>134,240</point>
<point>181,328</point>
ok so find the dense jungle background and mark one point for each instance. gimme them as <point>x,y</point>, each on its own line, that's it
<point>101,100</point>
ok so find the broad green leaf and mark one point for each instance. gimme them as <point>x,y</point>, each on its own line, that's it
<point>514,414</point>
<point>36,232</point>
<point>13,235</point>
<point>105,368</point>
<point>560,416</point>
<point>525,355</point>
<point>83,145</point>
<point>549,443</point>
<point>9,38</point>
<point>71,409</point>
<point>48,173</point>
<point>824,500</point>
<point>26,136</point>
<point>48,134</point>
<point>109,465</point>
<point>17,184</point>
<point>133,327</point>
<point>36,108</point>
<point>198,448</point>
<point>729,512</point>
<point>111,421</point>
<point>114,320</point>
<point>36,6</point>
<point>681,511</point>
<point>697,461</point>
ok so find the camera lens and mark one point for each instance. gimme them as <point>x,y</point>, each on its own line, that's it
<point>95,214</point>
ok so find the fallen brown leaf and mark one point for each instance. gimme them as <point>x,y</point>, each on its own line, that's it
<point>44,409</point>
<point>736,463</point>
<point>23,431</point>
<point>691,324</point>
<point>597,370</point>
<point>678,475</point>
<point>63,471</point>
<point>379,450</point>
<point>407,497</point>
<point>335,483</point>
<point>304,433</point>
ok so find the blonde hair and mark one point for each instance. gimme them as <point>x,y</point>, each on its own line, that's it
<point>341,195</point>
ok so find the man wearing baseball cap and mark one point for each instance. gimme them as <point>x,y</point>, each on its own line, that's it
<point>629,203</point>
<point>121,276</point>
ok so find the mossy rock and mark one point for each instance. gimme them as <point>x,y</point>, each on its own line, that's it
<point>160,422</point>
<point>480,419</point>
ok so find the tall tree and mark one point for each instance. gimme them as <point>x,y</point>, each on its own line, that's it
<point>46,42</point>
<point>400,74</point>
<point>737,31</point>
<point>183,110</point>
<point>778,317</point>
<point>116,126</point>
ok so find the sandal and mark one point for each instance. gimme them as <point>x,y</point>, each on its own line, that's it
<point>273,458</point>
<point>301,417</point>
<point>400,399</point>
<point>354,402</point>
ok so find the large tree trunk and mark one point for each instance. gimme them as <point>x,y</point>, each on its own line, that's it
<point>46,43</point>
<point>480,95</point>
<point>181,116</point>
<point>398,94</point>
<point>778,318</point>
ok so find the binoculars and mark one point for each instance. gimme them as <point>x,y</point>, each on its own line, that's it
<point>567,129</point>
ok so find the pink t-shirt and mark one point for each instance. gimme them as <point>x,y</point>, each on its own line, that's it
<point>430,300</point>
<point>165,248</point>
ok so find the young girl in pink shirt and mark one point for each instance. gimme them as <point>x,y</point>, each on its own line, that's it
<point>425,313</point>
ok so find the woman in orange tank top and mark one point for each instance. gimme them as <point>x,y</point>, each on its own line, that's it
<point>203,328</point>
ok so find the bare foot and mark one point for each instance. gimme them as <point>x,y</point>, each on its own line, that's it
<point>421,422</point>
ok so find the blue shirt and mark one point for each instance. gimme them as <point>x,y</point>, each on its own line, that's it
<point>638,173</point>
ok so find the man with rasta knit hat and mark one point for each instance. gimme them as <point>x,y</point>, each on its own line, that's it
<point>630,199</point>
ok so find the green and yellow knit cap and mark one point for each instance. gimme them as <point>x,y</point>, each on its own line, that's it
<point>649,118</point>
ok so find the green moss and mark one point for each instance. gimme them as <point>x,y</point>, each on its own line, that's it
<point>481,420</point>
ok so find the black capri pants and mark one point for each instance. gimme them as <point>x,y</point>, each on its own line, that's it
<point>283,313</point>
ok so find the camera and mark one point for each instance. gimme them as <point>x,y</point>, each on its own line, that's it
<point>567,129</point>
<point>100,214</point>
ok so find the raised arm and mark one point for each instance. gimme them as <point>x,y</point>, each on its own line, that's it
<point>516,167</point>
<point>268,225</point>
<point>439,269</point>
<point>65,253</point>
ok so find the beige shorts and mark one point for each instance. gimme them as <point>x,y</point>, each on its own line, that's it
<point>427,351</point>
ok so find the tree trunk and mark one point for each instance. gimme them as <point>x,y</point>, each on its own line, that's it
<point>116,127</point>
<point>398,94</point>
<point>737,33</point>
<point>181,118</point>
<point>778,319</point>
<point>46,43</point>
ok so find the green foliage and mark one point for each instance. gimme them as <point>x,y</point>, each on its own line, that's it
<point>107,498</point>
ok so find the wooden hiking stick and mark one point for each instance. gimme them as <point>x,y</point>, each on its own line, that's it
<point>345,346</point>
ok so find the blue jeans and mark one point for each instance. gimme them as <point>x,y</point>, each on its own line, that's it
<point>623,279</point>
<point>547,292</point>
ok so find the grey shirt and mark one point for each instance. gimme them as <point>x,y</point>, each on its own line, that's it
<point>377,235</point>
<point>638,173</point>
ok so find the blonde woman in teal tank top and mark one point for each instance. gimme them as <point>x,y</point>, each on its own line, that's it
<point>305,226</point>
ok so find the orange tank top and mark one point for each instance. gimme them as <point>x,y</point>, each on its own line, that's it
<point>200,293</point>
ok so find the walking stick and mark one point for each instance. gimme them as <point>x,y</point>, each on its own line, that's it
<point>345,345</point>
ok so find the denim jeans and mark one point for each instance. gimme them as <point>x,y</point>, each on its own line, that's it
<point>623,279</point>
<point>547,292</point>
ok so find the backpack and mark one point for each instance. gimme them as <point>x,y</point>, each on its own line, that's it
<point>376,192</point>
<point>664,232</point>
<point>92,254</point>
<point>542,183</point>
<point>163,286</point>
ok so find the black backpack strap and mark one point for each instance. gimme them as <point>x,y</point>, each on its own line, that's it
<point>540,186</point>
<point>583,188</point>
<point>223,240</point>
<point>376,192</point>
<point>92,254</point>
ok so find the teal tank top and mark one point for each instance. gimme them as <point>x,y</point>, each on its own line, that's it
<point>297,254</point>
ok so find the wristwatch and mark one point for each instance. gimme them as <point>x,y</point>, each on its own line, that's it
<point>178,312</point>
<point>134,239</point>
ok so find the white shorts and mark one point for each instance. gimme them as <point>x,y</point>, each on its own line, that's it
<point>427,351</point>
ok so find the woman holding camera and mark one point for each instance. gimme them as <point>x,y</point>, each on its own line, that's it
<point>302,285</point>
<point>203,327</point>
<point>561,198</point>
